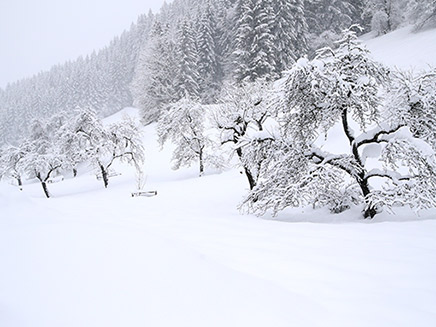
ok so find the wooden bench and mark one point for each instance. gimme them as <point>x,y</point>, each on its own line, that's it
<point>56,179</point>
<point>100,177</point>
<point>144,193</point>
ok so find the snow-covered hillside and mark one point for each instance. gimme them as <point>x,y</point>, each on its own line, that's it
<point>405,49</point>
<point>91,256</point>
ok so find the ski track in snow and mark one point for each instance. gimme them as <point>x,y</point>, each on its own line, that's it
<point>187,257</point>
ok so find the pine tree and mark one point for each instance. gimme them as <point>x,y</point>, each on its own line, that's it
<point>333,15</point>
<point>422,13</point>
<point>154,84</point>
<point>290,32</point>
<point>209,65</point>
<point>187,78</point>
<point>254,54</point>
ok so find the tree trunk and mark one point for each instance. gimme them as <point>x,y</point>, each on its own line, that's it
<point>251,180</point>
<point>20,183</point>
<point>74,172</point>
<point>44,187</point>
<point>104,176</point>
<point>369,211</point>
<point>201,163</point>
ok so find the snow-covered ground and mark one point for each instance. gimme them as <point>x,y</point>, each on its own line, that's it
<point>405,49</point>
<point>91,256</point>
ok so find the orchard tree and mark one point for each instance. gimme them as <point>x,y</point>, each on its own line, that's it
<point>10,156</point>
<point>183,125</point>
<point>105,145</point>
<point>340,89</point>
<point>241,118</point>
<point>43,157</point>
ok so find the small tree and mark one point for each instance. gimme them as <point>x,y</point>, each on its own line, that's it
<point>183,125</point>
<point>241,118</point>
<point>43,157</point>
<point>9,163</point>
<point>341,88</point>
<point>103,146</point>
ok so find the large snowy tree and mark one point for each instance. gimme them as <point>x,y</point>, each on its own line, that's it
<point>340,90</point>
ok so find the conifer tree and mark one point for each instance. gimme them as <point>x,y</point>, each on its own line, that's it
<point>187,79</point>
<point>208,62</point>
<point>290,32</point>
<point>254,54</point>
<point>154,84</point>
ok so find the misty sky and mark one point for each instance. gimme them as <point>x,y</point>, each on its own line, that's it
<point>36,34</point>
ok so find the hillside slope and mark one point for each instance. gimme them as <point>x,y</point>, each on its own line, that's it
<point>405,49</point>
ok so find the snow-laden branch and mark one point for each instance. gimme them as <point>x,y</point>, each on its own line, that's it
<point>394,176</point>
<point>375,135</point>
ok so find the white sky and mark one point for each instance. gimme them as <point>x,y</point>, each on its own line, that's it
<point>37,34</point>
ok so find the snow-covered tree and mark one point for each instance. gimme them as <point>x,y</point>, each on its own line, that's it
<point>183,125</point>
<point>290,32</point>
<point>104,146</point>
<point>332,15</point>
<point>154,84</point>
<point>187,78</point>
<point>10,156</point>
<point>254,54</point>
<point>385,15</point>
<point>43,157</point>
<point>422,13</point>
<point>241,118</point>
<point>209,65</point>
<point>340,89</point>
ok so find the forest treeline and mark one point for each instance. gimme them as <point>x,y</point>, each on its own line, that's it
<point>195,47</point>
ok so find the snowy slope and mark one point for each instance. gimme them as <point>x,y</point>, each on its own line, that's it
<point>98,257</point>
<point>405,49</point>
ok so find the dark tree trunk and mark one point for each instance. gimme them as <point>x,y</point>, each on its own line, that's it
<point>74,172</point>
<point>250,177</point>
<point>201,163</point>
<point>44,187</point>
<point>20,183</point>
<point>369,211</point>
<point>104,176</point>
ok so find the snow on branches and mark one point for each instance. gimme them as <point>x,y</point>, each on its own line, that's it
<point>60,144</point>
<point>341,89</point>
<point>183,125</point>
<point>241,119</point>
